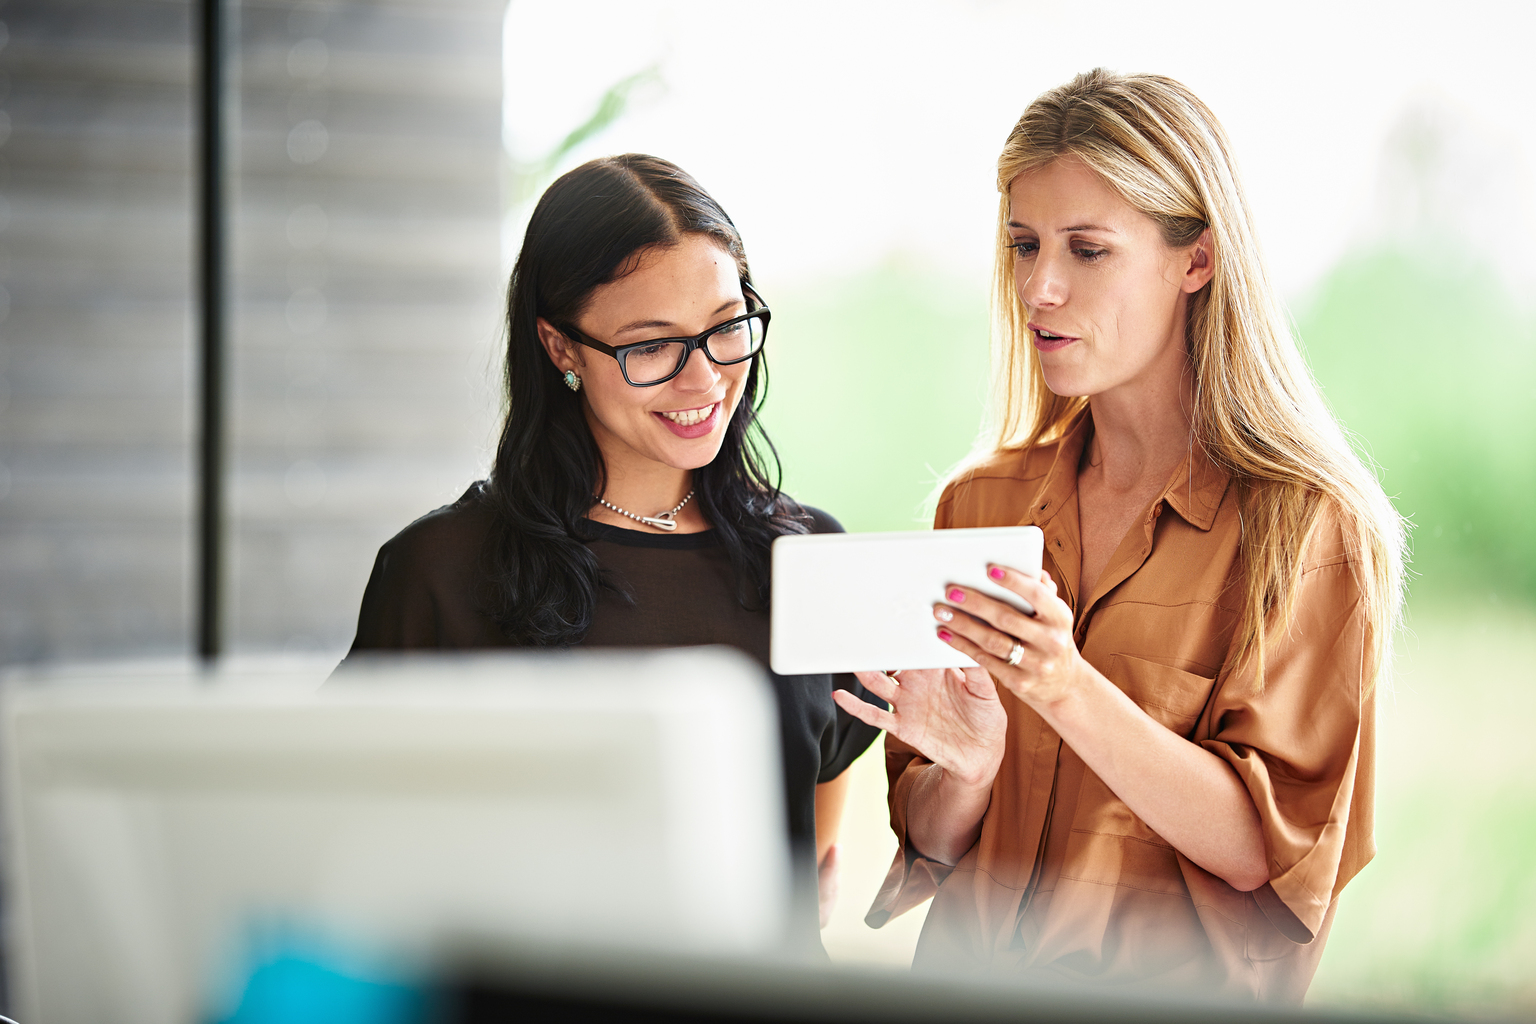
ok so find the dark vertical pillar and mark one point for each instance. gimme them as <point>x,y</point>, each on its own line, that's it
<point>212,283</point>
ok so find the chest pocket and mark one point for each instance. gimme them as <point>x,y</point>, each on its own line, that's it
<point>1171,696</point>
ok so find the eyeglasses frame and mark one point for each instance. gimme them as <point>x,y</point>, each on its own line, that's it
<point>618,352</point>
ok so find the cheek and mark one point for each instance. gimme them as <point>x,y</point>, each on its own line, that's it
<point>609,394</point>
<point>737,376</point>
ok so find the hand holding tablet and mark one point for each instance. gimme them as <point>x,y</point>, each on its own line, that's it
<point>849,602</point>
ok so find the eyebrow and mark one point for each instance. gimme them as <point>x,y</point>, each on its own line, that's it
<point>637,325</point>
<point>1075,227</point>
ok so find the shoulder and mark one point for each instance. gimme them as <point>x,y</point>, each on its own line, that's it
<point>426,583</point>
<point>442,540</point>
<point>820,521</point>
<point>1332,545</point>
<point>997,489</point>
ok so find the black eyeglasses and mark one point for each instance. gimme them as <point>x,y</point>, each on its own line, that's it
<point>645,363</point>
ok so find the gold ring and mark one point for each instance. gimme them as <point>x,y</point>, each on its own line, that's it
<point>1017,654</point>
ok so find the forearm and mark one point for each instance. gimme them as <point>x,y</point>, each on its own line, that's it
<point>1183,792</point>
<point>830,800</point>
<point>944,813</point>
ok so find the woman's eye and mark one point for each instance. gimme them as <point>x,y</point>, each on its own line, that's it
<point>649,350</point>
<point>1022,250</point>
<point>1089,255</point>
<point>726,332</point>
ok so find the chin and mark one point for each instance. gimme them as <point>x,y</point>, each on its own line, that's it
<point>690,460</point>
<point>1067,385</point>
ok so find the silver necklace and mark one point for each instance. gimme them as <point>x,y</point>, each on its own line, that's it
<point>661,520</point>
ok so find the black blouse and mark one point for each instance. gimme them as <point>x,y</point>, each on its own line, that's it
<point>429,590</point>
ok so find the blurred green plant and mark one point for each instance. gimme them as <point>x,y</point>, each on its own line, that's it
<point>1433,368</point>
<point>878,384</point>
<point>528,177</point>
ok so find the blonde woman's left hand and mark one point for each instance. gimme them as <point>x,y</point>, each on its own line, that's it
<point>1049,665</point>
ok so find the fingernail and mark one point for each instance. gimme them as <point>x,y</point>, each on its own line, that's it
<point>996,573</point>
<point>943,614</point>
<point>956,595</point>
<point>946,635</point>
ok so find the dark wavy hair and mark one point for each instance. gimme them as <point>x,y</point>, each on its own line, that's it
<point>590,228</point>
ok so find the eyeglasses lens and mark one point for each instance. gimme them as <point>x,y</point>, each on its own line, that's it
<point>652,363</point>
<point>736,341</point>
<point>728,345</point>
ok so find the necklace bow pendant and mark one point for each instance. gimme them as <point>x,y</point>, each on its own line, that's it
<point>663,521</point>
<point>660,521</point>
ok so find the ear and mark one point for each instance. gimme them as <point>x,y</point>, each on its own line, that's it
<point>561,351</point>
<point>1202,264</point>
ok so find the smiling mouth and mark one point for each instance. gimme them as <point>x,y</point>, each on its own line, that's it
<point>690,417</point>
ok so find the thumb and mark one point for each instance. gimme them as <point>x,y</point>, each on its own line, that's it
<point>977,682</point>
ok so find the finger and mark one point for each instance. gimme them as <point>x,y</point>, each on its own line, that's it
<point>1009,579</point>
<point>998,614</point>
<point>975,682</point>
<point>975,652</point>
<point>1039,594</point>
<point>982,635</point>
<point>879,684</point>
<point>1030,632</point>
<point>1006,577</point>
<point>1042,595</point>
<point>865,712</point>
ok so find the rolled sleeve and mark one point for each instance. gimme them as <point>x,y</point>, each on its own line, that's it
<point>1300,740</point>
<point>913,878</point>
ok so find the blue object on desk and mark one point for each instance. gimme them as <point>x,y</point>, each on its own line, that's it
<point>295,991</point>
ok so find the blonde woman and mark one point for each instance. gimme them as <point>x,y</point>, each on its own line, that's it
<point>1165,774</point>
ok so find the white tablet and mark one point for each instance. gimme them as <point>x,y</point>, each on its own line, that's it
<point>843,602</point>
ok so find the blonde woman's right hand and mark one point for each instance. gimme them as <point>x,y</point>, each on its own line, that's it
<point>951,717</point>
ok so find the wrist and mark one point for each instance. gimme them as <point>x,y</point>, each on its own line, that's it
<point>1056,693</point>
<point>973,780</point>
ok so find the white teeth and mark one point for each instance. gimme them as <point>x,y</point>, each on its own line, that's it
<point>690,417</point>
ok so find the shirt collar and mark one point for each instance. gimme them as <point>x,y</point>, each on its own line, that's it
<point>1194,490</point>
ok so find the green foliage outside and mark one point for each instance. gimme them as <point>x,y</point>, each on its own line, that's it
<point>877,386</point>
<point>1433,367</point>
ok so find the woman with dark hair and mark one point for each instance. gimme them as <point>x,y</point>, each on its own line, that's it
<point>634,498</point>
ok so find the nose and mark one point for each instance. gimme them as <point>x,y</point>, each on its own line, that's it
<point>1045,287</point>
<point>698,373</point>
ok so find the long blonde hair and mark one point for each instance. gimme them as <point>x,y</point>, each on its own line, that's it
<point>1258,413</point>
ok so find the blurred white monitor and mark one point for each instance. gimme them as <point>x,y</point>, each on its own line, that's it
<point>160,825</point>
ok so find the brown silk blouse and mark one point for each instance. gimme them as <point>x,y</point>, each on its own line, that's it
<point>1065,883</point>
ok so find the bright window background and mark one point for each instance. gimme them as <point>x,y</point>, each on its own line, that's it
<point>1388,154</point>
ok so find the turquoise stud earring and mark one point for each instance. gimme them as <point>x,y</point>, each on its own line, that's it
<point>572,381</point>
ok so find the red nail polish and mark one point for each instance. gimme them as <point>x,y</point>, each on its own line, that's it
<point>946,635</point>
<point>996,573</point>
<point>956,595</point>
